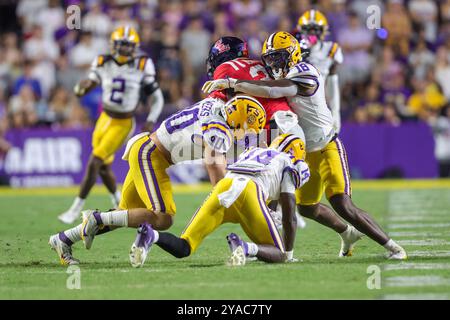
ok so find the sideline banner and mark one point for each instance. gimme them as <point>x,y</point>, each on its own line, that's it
<point>45,157</point>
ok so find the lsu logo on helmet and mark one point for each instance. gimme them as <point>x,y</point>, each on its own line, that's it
<point>244,113</point>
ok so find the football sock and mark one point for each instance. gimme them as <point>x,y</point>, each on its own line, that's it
<point>177,247</point>
<point>117,218</point>
<point>77,204</point>
<point>115,198</point>
<point>392,246</point>
<point>252,249</point>
<point>346,233</point>
<point>73,234</point>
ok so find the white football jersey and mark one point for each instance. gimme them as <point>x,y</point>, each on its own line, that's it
<point>184,133</point>
<point>314,116</point>
<point>270,169</point>
<point>122,83</point>
<point>323,55</point>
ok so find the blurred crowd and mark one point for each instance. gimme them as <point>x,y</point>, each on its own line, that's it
<point>398,72</point>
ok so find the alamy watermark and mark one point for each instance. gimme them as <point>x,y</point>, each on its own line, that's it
<point>73,21</point>
<point>73,281</point>
<point>374,279</point>
<point>373,20</point>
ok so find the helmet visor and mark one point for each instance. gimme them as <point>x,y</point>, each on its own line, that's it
<point>124,47</point>
<point>276,60</point>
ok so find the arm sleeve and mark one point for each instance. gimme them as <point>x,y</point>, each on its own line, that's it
<point>149,83</point>
<point>157,103</point>
<point>262,89</point>
<point>94,74</point>
<point>287,183</point>
<point>333,94</point>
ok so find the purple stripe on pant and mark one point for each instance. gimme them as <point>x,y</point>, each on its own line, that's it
<point>141,167</point>
<point>155,181</point>
<point>267,217</point>
<point>343,166</point>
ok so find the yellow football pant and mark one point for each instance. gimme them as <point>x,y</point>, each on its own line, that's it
<point>329,173</point>
<point>249,210</point>
<point>147,184</point>
<point>109,135</point>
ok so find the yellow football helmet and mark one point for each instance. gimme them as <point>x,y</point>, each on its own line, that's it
<point>124,42</point>
<point>281,51</point>
<point>291,144</point>
<point>313,23</point>
<point>244,114</point>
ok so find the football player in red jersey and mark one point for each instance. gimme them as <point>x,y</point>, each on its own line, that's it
<point>228,58</point>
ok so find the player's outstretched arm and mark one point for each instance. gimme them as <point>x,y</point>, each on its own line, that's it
<point>84,86</point>
<point>215,164</point>
<point>156,106</point>
<point>289,220</point>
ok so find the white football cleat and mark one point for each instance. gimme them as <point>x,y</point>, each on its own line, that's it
<point>69,217</point>
<point>238,250</point>
<point>398,255</point>
<point>141,245</point>
<point>63,250</point>
<point>90,226</point>
<point>348,240</point>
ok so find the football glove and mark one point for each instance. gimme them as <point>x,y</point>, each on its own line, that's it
<point>219,84</point>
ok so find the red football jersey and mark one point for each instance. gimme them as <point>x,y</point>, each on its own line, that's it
<point>247,69</point>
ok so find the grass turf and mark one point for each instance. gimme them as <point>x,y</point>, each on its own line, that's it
<point>30,270</point>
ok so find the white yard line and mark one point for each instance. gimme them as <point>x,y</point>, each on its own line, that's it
<point>425,242</point>
<point>416,266</point>
<point>410,212</point>
<point>417,281</point>
<point>417,296</point>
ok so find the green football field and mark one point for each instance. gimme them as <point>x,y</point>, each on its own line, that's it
<point>416,213</point>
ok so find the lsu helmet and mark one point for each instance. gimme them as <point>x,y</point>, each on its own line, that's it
<point>290,143</point>
<point>281,51</point>
<point>244,114</point>
<point>124,42</point>
<point>223,50</point>
<point>312,26</point>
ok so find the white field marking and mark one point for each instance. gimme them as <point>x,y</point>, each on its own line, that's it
<point>424,234</point>
<point>396,226</point>
<point>425,242</point>
<point>439,254</point>
<point>417,281</point>
<point>416,266</point>
<point>409,218</point>
<point>417,296</point>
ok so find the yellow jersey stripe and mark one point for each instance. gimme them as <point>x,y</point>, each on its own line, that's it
<point>333,50</point>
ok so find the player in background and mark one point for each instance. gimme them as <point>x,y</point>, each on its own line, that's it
<point>311,29</point>
<point>303,86</point>
<point>202,131</point>
<point>259,175</point>
<point>124,75</point>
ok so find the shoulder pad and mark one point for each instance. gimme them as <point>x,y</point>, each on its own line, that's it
<point>302,69</point>
<point>102,59</point>
<point>216,134</point>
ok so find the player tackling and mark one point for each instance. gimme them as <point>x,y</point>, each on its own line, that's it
<point>259,175</point>
<point>302,84</point>
<point>202,131</point>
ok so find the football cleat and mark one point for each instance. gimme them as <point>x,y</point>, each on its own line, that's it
<point>69,217</point>
<point>238,250</point>
<point>90,226</point>
<point>348,241</point>
<point>63,250</point>
<point>301,223</point>
<point>398,255</point>
<point>142,245</point>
